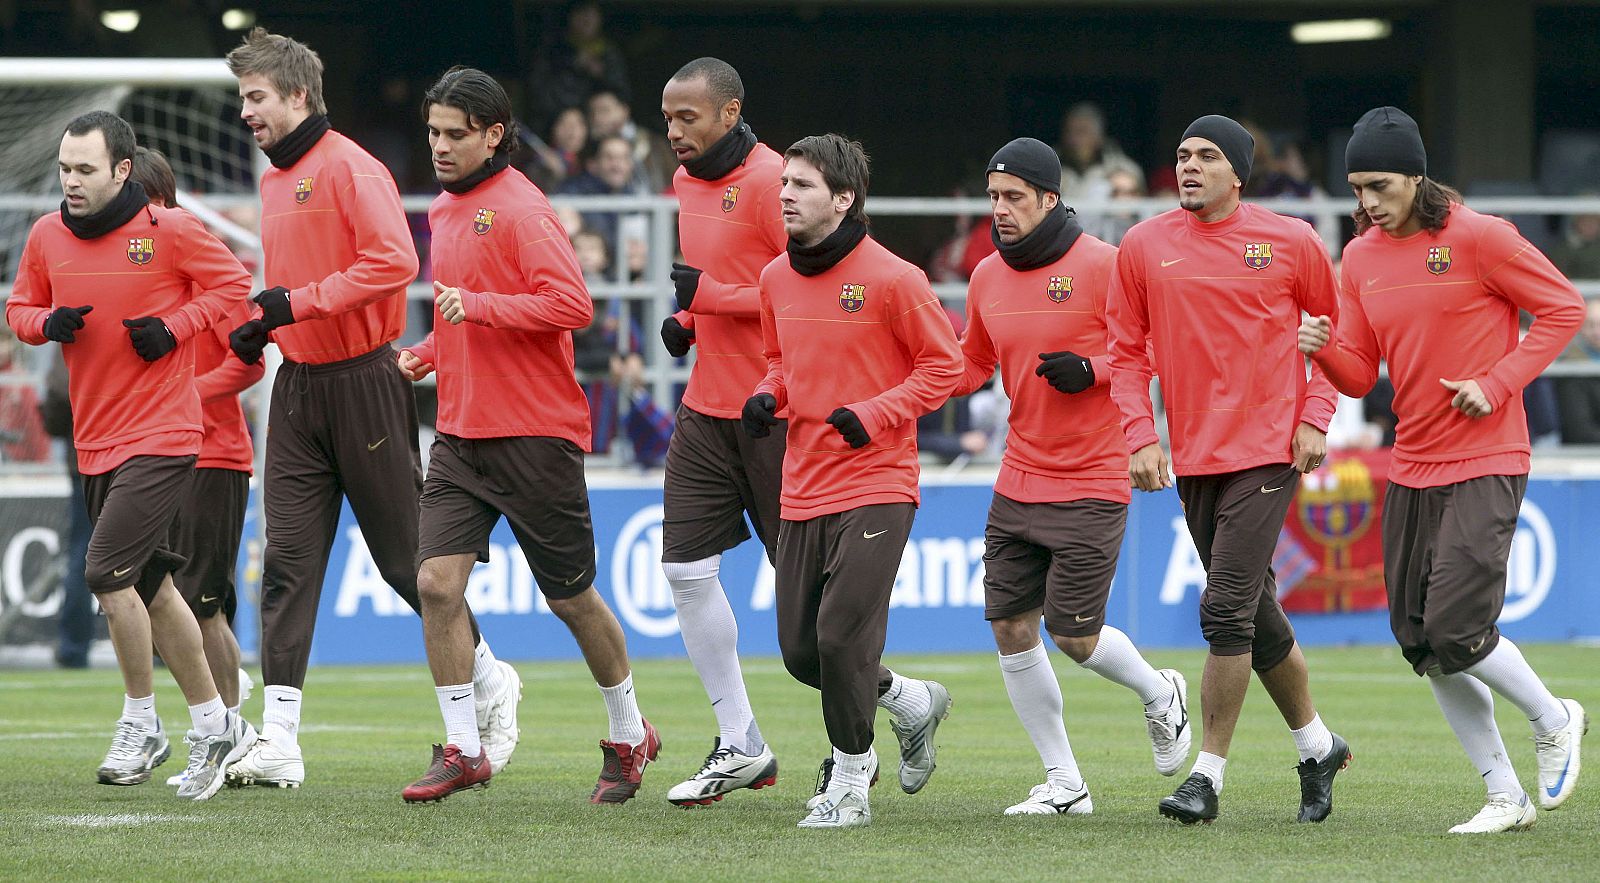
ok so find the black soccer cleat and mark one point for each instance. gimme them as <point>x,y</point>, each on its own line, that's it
<point>1316,781</point>
<point>1194,801</point>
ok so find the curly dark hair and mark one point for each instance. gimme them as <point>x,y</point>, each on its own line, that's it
<point>1431,207</point>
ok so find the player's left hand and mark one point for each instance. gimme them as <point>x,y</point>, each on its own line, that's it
<point>685,282</point>
<point>450,304</point>
<point>275,310</point>
<point>849,426</point>
<point>1469,399</point>
<point>412,367</point>
<point>1309,446</point>
<point>1065,371</point>
<point>150,337</point>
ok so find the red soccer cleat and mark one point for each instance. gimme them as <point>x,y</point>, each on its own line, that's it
<point>624,767</point>
<point>449,773</point>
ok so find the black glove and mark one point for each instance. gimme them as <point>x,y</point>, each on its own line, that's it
<point>849,426</point>
<point>274,303</point>
<point>151,337</point>
<point>685,282</point>
<point>1066,371</point>
<point>759,416</point>
<point>677,338</point>
<point>62,322</point>
<point>248,340</point>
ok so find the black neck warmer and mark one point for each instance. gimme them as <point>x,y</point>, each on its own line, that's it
<point>296,144</point>
<point>723,156</point>
<point>814,260</point>
<point>1045,245</point>
<point>120,210</point>
<point>494,165</point>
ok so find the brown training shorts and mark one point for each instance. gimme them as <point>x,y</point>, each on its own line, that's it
<point>207,532</point>
<point>132,507</point>
<point>1059,556</point>
<point>716,475</point>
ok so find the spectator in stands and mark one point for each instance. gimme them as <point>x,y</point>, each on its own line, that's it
<point>22,435</point>
<point>1088,157</point>
<point>577,63</point>
<point>1578,255</point>
<point>1125,185</point>
<point>1578,398</point>
<point>653,160</point>
<point>558,156</point>
<point>608,170</point>
<point>76,626</point>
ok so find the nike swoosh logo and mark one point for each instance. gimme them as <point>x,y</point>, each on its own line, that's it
<point>207,599</point>
<point>1084,618</point>
<point>122,572</point>
<point>1174,261</point>
<point>1555,790</point>
<point>868,536</point>
<point>1478,646</point>
<point>459,698</point>
<point>1372,281</point>
<point>374,445</point>
<point>576,578</point>
<point>284,699</point>
<point>1271,490</point>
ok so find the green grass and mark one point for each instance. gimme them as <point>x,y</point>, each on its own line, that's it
<point>368,732</point>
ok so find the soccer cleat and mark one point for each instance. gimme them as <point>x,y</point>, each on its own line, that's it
<point>1558,757</point>
<point>825,780</point>
<point>1052,800</point>
<point>916,740</point>
<point>497,718</point>
<point>245,685</point>
<point>134,753</point>
<point>269,764</point>
<point>449,773</point>
<point>624,767</point>
<point>1170,734</point>
<point>209,757</point>
<point>725,770</point>
<point>1500,814</point>
<point>1194,801</point>
<point>1316,781</point>
<point>841,807</point>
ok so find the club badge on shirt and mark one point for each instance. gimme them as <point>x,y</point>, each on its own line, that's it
<point>852,297</point>
<point>1059,289</point>
<point>302,190</point>
<point>1258,255</point>
<point>483,221</point>
<point>1438,259</point>
<point>141,251</point>
<point>730,197</point>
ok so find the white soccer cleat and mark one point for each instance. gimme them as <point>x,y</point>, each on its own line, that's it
<point>1558,755</point>
<point>134,752</point>
<point>497,718</point>
<point>917,751</point>
<point>726,770</point>
<point>825,780</point>
<point>270,764</point>
<point>209,757</point>
<point>842,807</point>
<point>1054,800</point>
<point>1170,733</point>
<point>1500,814</point>
<point>245,685</point>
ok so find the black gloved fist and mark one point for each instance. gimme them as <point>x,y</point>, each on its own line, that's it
<point>849,426</point>
<point>685,282</point>
<point>760,415</point>
<point>1068,372</point>
<point>151,337</point>
<point>677,338</point>
<point>248,340</point>
<point>62,323</point>
<point>274,303</point>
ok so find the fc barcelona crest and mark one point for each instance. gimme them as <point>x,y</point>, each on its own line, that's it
<point>483,221</point>
<point>302,190</point>
<point>1438,259</point>
<point>1059,289</point>
<point>730,198</point>
<point>141,251</point>
<point>852,297</point>
<point>1258,255</point>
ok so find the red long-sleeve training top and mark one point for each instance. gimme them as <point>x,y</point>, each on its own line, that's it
<point>219,378</point>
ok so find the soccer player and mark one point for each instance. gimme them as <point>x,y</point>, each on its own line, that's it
<point>1434,288</point>
<point>343,422</point>
<point>154,280</point>
<point>1037,309</point>
<point>1216,288</point>
<point>858,347</point>
<point>513,428</point>
<point>730,226</point>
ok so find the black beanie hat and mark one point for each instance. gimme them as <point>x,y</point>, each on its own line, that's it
<point>1386,139</point>
<point>1236,143</point>
<point>1031,160</point>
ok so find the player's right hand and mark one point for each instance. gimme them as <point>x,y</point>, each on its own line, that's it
<point>760,415</point>
<point>248,340</point>
<point>63,323</point>
<point>677,338</point>
<point>1315,332</point>
<point>1148,468</point>
<point>412,367</point>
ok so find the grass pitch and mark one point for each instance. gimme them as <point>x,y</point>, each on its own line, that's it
<point>368,730</point>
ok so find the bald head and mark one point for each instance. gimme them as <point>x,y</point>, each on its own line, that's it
<point>722,81</point>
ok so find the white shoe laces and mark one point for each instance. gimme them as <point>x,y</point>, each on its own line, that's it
<point>126,742</point>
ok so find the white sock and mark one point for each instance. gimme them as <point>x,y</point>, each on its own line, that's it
<point>140,711</point>
<point>1210,766</point>
<point>486,675</point>
<point>1313,740</point>
<point>209,718</point>
<point>1468,707</point>
<point>711,637</point>
<point>1507,673</point>
<point>907,699</point>
<point>233,709</point>
<point>280,715</point>
<point>622,707</point>
<point>1036,697</point>
<point>460,720</point>
<point>1117,660</point>
<point>853,770</point>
